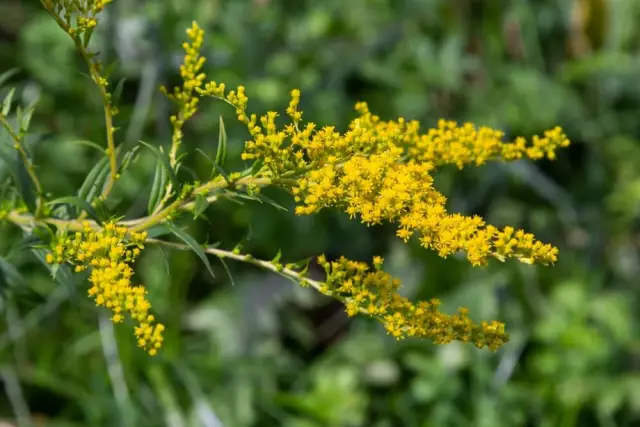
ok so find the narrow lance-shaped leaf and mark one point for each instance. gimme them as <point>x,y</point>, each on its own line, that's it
<point>89,144</point>
<point>227,270</point>
<point>157,231</point>
<point>96,189</point>
<point>271,202</point>
<point>253,169</point>
<point>117,92</point>
<point>221,154</point>
<point>86,37</point>
<point>159,182</point>
<point>6,104</point>
<point>127,157</point>
<point>80,203</point>
<point>191,172</point>
<point>25,184</point>
<point>101,208</point>
<point>194,245</point>
<point>7,75</point>
<point>25,119</point>
<point>165,162</point>
<point>93,179</point>
<point>211,162</point>
<point>201,205</point>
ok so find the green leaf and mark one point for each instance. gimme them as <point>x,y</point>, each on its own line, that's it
<point>277,257</point>
<point>127,158</point>
<point>86,37</point>
<point>157,231</point>
<point>221,154</point>
<point>117,92</point>
<point>25,185</point>
<point>157,188</point>
<point>101,209</point>
<point>211,162</point>
<point>7,75</point>
<point>191,172</point>
<point>95,190</point>
<point>28,241</point>
<point>24,119</point>
<point>80,203</point>
<point>6,104</point>
<point>254,168</point>
<point>271,202</point>
<point>165,162</point>
<point>205,155</point>
<point>201,205</point>
<point>28,112</point>
<point>61,273</point>
<point>194,245</point>
<point>89,144</point>
<point>95,180</point>
<point>226,268</point>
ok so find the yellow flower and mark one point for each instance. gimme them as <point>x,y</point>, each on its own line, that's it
<point>109,253</point>
<point>375,293</point>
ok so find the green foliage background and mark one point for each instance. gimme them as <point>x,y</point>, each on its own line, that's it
<point>264,352</point>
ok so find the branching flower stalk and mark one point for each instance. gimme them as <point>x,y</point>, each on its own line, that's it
<point>184,98</point>
<point>373,293</point>
<point>79,18</point>
<point>377,171</point>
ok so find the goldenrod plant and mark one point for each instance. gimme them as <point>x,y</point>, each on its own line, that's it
<point>375,171</point>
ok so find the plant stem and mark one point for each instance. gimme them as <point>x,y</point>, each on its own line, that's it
<point>108,112</point>
<point>267,265</point>
<point>28,164</point>
<point>140,224</point>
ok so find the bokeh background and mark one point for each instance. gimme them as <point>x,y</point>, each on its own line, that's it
<point>262,351</point>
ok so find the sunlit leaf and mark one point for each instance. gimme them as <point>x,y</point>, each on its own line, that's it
<point>221,154</point>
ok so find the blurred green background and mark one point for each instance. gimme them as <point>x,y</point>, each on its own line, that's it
<point>263,351</point>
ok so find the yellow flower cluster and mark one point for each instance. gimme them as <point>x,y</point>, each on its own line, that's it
<point>374,292</point>
<point>381,188</point>
<point>192,77</point>
<point>450,143</point>
<point>296,147</point>
<point>109,253</point>
<point>86,12</point>
<point>381,171</point>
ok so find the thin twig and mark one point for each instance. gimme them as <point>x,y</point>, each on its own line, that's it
<point>267,265</point>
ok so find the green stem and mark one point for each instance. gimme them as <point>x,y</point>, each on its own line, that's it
<point>108,112</point>
<point>28,164</point>
<point>266,265</point>
<point>29,221</point>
